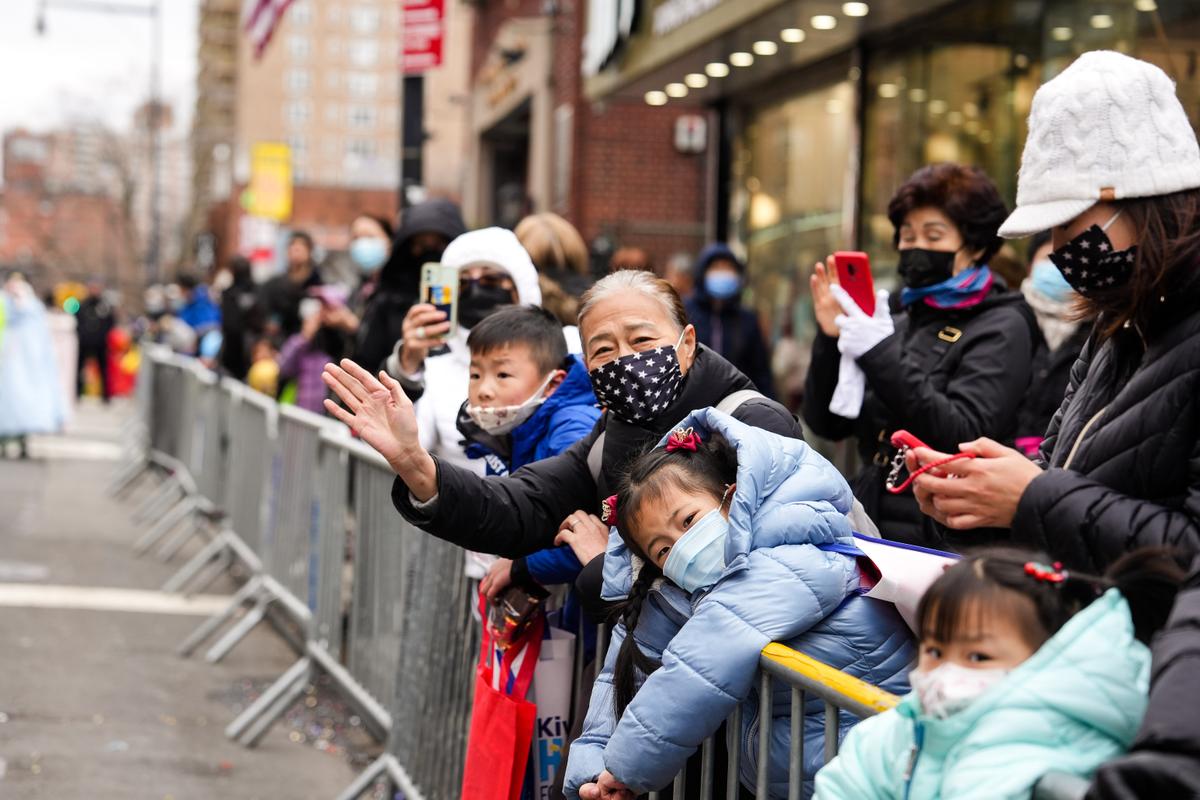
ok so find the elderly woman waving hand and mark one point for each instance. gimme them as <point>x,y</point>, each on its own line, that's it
<point>648,371</point>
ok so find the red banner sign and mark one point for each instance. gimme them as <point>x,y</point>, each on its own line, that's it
<point>424,27</point>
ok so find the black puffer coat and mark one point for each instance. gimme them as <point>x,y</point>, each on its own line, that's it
<point>1051,374</point>
<point>1164,760</point>
<point>517,515</point>
<point>944,376</point>
<point>1123,453</point>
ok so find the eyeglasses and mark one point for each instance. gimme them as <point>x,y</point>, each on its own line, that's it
<point>488,280</point>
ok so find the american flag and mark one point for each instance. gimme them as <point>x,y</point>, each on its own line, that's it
<point>639,386</point>
<point>260,18</point>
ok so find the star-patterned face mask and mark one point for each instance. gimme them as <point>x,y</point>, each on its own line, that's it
<point>638,387</point>
<point>1090,264</point>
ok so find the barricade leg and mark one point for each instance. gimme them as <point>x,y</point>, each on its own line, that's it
<point>181,537</point>
<point>157,502</point>
<point>213,550</point>
<point>296,673</point>
<point>796,754</point>
<point>218,567</point>
<point>128,474</point>
<point>371,774</point>
<point>213,623</point>
<point>238,632</point>
<point>259,729</point>
<point>401,780</point>
<point>166,523</point>
<point>128,488</point>
<point>761,784</point>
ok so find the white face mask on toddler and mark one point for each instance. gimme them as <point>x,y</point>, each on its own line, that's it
<point>949,688</point>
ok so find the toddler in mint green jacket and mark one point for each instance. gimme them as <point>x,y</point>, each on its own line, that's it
<point>1024,668</point>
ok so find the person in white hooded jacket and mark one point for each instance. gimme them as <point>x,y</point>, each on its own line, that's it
<point>494,271</point>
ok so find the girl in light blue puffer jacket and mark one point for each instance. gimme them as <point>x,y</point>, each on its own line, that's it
<point>718,553</point>
<point>1025,668</point>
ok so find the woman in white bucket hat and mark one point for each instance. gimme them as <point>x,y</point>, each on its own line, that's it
<point>1112,167</point>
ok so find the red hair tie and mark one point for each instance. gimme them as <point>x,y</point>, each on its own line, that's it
<point>683,439</point>
<point>608,510</point>
<point>1050,574</point>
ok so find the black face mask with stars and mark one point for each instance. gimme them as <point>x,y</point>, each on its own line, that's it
<point>1090,264</point>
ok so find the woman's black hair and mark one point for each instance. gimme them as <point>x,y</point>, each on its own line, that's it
<point>963,193</point>
<point>711,468</point>
<point>998,579</point>
<point>1165,284</point>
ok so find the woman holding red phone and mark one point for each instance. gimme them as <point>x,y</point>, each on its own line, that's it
<point>949,363</point>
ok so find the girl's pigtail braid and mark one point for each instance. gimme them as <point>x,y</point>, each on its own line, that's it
<point>631,662</point>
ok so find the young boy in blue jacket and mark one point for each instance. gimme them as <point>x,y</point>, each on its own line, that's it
<point>527,400</point>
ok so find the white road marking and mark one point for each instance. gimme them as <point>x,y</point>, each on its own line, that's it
<point>60,448</point>
<point>96,598</point>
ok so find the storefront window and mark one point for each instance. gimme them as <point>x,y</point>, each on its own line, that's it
<point>792,202</point>
<point>965,94</point>
<point>953,86</point>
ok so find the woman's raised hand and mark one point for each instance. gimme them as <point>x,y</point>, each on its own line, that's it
<point>380,414</point>
<point>423,329</point>
<point>825,305</point>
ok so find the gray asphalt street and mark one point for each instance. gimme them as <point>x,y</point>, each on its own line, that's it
<point>93,701</point>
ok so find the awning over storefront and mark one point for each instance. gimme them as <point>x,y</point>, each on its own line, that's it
<point>706,49</point>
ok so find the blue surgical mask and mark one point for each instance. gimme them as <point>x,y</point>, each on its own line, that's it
<point>1049,281</point>
<point>697,558</point>
<point>722,285</point>
<point>369,253</point>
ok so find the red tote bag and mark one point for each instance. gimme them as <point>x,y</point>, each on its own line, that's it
<point>502,719</point>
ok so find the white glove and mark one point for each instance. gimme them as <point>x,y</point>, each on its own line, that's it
<point>858,333</point>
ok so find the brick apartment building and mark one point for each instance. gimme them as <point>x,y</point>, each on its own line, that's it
<point>327,85</point>
<point>611,168</point>
<point>61,211</point>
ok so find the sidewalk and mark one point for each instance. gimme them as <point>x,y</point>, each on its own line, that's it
<point>93,701</point>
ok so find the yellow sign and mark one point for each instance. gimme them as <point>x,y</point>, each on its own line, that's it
<point>270,191</point>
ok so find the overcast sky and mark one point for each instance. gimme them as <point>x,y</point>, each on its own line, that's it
<point>91,65</point>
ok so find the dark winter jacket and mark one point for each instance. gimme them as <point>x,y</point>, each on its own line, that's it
<point>1050,375</point>
<point>280,301</point>
<point>946,376</point>
<point>520,514</point>
<point>395,289</point>
<point>1164,760</point>
<point>1123,452</point>
<point>727,327</point>
<point>567,416</point>
<point>241,325</point>
<point>95,319</point>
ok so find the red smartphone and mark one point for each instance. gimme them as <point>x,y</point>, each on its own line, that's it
<point>854,275</point>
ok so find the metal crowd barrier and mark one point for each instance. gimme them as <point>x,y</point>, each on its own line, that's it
<point>384,609</point>
<point>808,681</point>
<point>180,441</point>
<point>412,640</point>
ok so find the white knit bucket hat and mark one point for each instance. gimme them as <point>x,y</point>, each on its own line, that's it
<point>1108,127</point>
